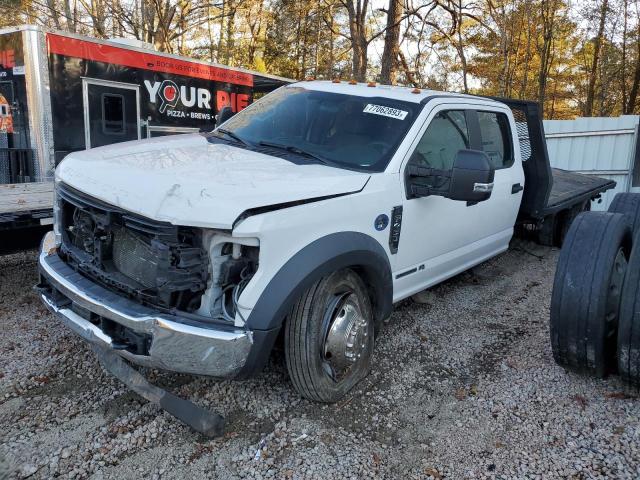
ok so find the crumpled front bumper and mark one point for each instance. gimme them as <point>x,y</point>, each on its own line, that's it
<point>174,343</point>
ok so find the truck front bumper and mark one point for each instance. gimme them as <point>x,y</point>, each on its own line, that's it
<point>170,342</point>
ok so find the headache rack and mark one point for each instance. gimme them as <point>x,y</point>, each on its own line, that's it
<point>156,263</point>
<point>547,191</point>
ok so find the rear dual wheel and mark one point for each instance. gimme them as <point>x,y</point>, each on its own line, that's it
<point>629,322</point>
<point>627,204</point>
<point>587,288</point>
<point>329,337</point>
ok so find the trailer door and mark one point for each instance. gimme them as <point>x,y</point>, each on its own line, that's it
<point>111,112</point>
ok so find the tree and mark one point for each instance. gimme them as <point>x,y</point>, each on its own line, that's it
<point>389,61</point>
<point>597,44</point>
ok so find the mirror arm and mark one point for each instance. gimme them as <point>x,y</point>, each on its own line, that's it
<point>417,190</point>
<point>418,171</point>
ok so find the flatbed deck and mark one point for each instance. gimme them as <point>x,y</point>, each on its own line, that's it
<point>23,197</point>
<point>571,188</point>
<point>24,205</point>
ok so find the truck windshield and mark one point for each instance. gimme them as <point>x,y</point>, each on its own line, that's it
<point>348,131</point>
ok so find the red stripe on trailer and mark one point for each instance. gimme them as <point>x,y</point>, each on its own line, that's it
<point>73,47</point>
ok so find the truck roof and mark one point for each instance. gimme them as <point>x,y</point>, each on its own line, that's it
<point>407,94</point>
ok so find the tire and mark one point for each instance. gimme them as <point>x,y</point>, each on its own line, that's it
<point>629,205</point>
<point>586,293</point>
<point>629,321</point>
<point>322,365</point>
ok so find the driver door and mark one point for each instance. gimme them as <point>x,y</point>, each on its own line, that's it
<point>441,237</point>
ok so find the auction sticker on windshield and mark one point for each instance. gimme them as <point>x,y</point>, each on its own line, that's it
<point>385,111</point>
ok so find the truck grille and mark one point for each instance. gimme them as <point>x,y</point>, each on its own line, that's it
<point>159,264</point>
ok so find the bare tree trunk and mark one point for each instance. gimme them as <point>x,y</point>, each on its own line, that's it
<point>407,71</point>
<point>70,16</point>
<point>630,106</point>
<point>357,10</point>
<point>316,60</point>
<point>549,10</point>
<point>54,13</point>
<point>623,67</point>
<point>223,13</point>
<point>461,46</point>
<point>210,33</point>
<point>331,44</point>
<point>635,86</point>
<point>229,35</point>
<point>591,88</point>
<point>391,43</point>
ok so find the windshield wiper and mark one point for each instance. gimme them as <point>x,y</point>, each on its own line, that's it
<point>232,135</point>
<point>296,150</point>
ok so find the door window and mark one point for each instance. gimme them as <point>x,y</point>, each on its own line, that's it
<point>446,134</point>
<point>113,122</point>
<point>496,138</point>
<point>111,114</point>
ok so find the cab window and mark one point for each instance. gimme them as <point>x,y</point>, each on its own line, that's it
<point>446,134</point>
<point>496,138</point>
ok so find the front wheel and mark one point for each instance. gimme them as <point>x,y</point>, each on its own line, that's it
<point>329,336</point>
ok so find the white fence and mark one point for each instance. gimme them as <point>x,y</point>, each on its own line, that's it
<point>605,147</point>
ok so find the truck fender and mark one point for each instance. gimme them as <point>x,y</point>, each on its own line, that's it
<point>319,258</point>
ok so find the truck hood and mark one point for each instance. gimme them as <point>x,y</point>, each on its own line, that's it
<point>186,180</point>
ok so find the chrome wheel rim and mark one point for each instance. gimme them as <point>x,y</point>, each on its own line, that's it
<point>347,340</point>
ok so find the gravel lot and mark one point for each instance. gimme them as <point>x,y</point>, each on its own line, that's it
<point>463,386</point>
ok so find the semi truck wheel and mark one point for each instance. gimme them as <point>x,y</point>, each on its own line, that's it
<point>629,322</point>
<point>586,293</point>
<point>629,205</point>
<point>329,337</point>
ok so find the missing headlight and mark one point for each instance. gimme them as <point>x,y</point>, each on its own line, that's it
<point>232,265</point>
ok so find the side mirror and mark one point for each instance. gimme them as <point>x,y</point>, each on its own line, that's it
<point>224,114</point>
<point>470,179</point>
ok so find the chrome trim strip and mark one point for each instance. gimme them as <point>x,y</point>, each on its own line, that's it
<point>75,322</point>
<point>36,64</point>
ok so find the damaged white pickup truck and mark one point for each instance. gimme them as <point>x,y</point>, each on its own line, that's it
<point>303,217</point>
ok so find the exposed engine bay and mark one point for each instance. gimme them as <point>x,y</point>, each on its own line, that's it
<point>172,268</point>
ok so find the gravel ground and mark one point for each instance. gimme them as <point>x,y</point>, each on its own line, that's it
<point>463,386</point>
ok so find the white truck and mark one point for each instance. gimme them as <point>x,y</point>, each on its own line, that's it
<point>304,218</point>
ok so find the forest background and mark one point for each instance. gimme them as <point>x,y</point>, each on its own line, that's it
<point>577,58</point>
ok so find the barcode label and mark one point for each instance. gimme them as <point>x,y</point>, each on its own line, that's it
<point>385,111</point>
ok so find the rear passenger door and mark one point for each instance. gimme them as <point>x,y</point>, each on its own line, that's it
<point>499,140</point>
<point>441,237</point>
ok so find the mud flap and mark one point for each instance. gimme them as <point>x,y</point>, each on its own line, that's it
<point>207,423</point>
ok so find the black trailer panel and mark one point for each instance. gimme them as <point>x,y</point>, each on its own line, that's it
<point>103,93</point>
<point>16,158</point>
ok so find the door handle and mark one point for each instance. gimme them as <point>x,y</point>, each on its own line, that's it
<point>483,187</point>
<point>516,187</point>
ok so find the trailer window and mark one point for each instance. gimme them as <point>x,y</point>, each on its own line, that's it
<point>496,138</point>
<point>113,114</point>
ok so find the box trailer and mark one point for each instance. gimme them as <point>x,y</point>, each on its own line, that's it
<point>61,92</point>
